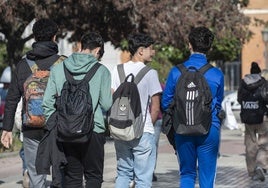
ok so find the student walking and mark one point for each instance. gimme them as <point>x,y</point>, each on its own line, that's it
<point>136,158</point>
<point>197,150</point>
<point>253,108</point>
<point>43,55</point>
<point>85,159</point>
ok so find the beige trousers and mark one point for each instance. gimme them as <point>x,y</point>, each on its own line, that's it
<point>256,142</point>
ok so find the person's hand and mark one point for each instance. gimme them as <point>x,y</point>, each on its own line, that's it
<point>6,138</point>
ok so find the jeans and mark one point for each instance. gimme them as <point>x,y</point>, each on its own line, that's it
<point>30,151</point>
<point>136,157</point>
<point>21,153</point>
<point>201,151</point>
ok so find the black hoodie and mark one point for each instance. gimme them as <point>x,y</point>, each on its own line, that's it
<point>44,53</point>
<point>252,105</point>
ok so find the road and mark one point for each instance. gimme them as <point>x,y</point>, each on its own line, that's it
<point>231,172</point>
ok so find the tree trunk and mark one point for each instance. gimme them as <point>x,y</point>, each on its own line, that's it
<point>14,50</point>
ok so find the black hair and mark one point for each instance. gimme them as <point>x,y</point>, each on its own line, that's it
<point>138,40</point>
<point>91,41</point>
<point>44,29</point>
<point>201,39</point>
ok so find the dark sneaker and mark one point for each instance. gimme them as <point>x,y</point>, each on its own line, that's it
<point>259,174</point>
<point>154,177</point>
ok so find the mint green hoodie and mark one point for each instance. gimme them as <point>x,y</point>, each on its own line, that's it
<point>100,86</point>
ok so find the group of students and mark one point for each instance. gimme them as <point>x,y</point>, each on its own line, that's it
<point>135,158</point>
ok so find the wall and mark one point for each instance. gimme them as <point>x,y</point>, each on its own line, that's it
<point>111,56</point>
<point>254,49</point>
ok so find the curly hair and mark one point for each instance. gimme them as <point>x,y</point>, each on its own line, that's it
<point>44,29</point>
<point>138,40</point>
<point>201,39</point>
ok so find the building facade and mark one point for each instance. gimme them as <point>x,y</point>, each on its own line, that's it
<point>254,50</point>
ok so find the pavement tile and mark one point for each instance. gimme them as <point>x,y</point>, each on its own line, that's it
<point>231,171</point>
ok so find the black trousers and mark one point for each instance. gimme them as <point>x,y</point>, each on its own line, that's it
<point>84,159</point>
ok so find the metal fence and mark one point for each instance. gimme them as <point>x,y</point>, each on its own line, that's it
<point>232,75</point>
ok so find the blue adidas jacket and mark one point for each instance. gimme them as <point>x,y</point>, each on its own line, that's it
<point>214,77</point>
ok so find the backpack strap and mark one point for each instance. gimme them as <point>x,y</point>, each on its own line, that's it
<point>147,106</point>
<point>205,68</point>
<point>91,72</point>
<point>33,66</point>
<point>181,68</point>
<point>59,60</point>
<point>121,72</point>
<point>202,70</point>
<point>138,77</point>
<point>141,74</point>
<point>87,77</point>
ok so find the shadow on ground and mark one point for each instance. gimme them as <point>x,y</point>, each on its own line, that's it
<point>227,177</point>
<point>166,180</point>
<point>236,177</point>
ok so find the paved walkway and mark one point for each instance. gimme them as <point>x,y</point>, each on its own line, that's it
<point>231,166</point>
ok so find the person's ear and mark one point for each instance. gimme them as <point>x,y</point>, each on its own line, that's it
<point>96,51</point>
<point>140,51</point>
<point>190,47</point>
<point>54,38</point>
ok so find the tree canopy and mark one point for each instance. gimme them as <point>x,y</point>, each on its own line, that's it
<point>168,22</point>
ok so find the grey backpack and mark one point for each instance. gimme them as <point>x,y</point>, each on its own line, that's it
<point>125,119</point>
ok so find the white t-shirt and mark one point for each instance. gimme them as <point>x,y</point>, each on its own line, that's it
<point>148,86</point>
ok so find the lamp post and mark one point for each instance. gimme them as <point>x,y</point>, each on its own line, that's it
<point>265,40</point>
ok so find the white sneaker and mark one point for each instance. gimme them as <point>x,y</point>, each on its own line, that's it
<point>26,179</point>
<point>132,184</point>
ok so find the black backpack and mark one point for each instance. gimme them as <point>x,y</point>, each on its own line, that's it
<point>253,104</point>
<point>264,91</point>
<point>125,119</point>
<point>192,113</point>
<point>75,108</point>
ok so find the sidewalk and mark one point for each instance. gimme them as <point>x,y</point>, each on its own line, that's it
<point>231,171</point>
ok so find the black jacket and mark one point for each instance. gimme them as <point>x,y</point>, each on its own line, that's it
<point>50,153</point>
<point>44,53</point>
<point>253,106</point>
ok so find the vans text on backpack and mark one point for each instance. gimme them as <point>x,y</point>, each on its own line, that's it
<point>75,108</point>
<point>34,88</point>
<point>192,102</point>
<point>253,103</point>
<point>125,119</point>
